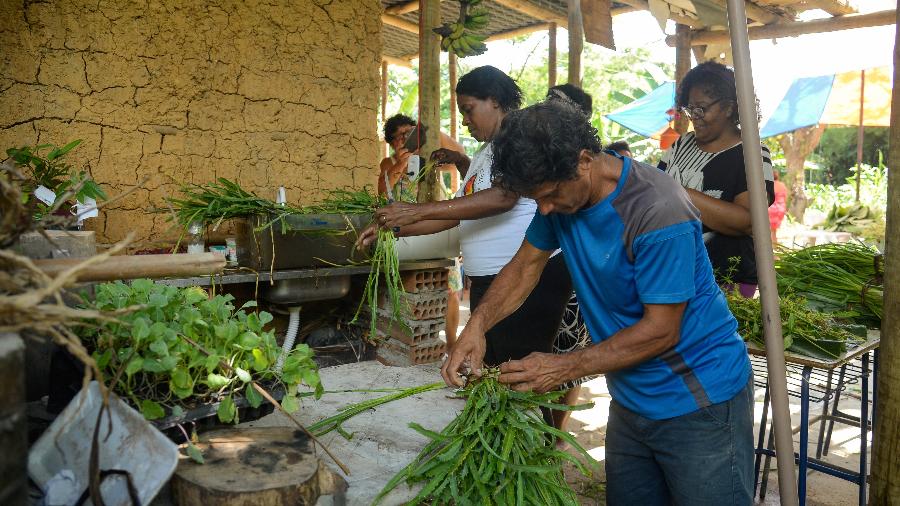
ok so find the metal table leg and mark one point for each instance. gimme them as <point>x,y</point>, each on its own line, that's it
<point>824,418</point>
<point>834,409</point>
<point>759,442</point>
<point>864,428</point>
<point>804,435</point>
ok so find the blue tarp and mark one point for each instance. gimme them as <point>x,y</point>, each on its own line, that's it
<point>647,115</point>
<point>802,106</point>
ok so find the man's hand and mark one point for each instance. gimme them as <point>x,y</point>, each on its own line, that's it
<point>538,372</point>
<point>468,352</point>
<point>398,214</point>
<point>367,236</point>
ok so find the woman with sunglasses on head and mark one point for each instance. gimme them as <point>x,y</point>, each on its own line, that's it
<point>709,164</point>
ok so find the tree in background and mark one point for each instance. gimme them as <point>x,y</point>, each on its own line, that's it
<point>797,145</point>
<point>836,152</point>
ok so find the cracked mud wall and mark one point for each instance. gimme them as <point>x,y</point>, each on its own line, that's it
<point>268,93</point>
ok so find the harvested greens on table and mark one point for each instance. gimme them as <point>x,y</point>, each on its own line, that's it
<point>497,451</point>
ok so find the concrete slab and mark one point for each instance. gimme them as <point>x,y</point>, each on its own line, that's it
<point>382,442</point>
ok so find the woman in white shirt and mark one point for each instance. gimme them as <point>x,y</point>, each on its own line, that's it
<point>492,222</point>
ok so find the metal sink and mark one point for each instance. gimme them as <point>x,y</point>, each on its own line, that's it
<point>292,292</point>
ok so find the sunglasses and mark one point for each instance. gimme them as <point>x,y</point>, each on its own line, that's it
<point>698,111</point>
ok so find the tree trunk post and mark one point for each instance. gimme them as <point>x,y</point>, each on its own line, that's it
<point>429,91</point>
<point>551,57</point>
<point>797,145</point>
<point>885,478</point>
<point>576,41</point>
<point>384,88</point>
<point>682,67</point>
<point>452,66</point>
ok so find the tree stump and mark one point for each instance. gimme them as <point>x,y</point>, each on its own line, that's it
<point>257,466</point>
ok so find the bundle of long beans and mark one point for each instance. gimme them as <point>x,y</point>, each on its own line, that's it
<point>212,203</point>
<point>386,263</point>
<point>497,451</point>
<point>840,278</point>
<point>335,422</point>
<point>805,331</point>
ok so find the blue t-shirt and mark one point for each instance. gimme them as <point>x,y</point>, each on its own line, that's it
<point>643,244</point>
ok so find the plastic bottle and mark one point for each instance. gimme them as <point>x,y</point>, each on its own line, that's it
<point>196,244</point>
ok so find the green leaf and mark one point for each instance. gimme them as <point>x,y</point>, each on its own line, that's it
<point>242,374</point>
<point>58,152</point>
<point>253,397</point>
<point>249,304</point>
<point>181,378</point>
<point>216,381</point>
<point>134,365</point>
<point>153,365</point>
<point>227,411</point>
<point>177,411</point>
<point>249,340</point>
<point>310,377</point>
<point>264,317</point>
<point>159,347</point>
<point>212,363</point>
<point>169,363</point>
<point>158,300</point>
<point>103,359</point>
<point>151,410</point>
<point>181,393</point>
<point>290,403</point>
<point>260,362</point>
<point>142,285</point>
<point>195,454</point>
<point>140,330</point>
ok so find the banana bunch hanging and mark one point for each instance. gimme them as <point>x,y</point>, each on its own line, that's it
<point>457,37</point>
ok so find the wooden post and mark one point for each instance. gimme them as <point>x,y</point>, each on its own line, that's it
<point>452,63</point>
<point>576,41</point>
<point>682,67</point>
<point>859,132</point>
<point>384,88</point>
<point>551,57</point>
<point>429,90</point>
<point>885,478</point>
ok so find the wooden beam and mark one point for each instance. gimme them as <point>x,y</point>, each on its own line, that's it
<point>400,23</point>
<point>551,57</point>
<point>429,91</point>
<point>393,60</point>
<point>452,65</point>
<point>515,32</point>
<point>644,5</point>
<point>833,7</point>
<point>576,41</point>
<point>535,11</point>
<point>682,66</point>
<point>764,16</point>
<point>834,24</point>
<point>403,8</point>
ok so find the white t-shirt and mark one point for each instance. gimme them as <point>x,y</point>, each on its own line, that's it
<point>490,243</point>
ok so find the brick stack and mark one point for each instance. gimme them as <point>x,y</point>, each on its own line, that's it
<point>424,318</point>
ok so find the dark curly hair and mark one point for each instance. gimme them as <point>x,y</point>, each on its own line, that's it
<point>571,92</point>
<point>393,123</point>
<point>716,80</point>
<point>490,82</point>
<point>541,144</point>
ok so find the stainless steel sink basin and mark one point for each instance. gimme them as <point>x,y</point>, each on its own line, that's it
<point>292,292</point>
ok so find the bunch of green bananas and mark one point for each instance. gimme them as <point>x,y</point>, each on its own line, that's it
<point>457,37</point>
<point>463,43</point>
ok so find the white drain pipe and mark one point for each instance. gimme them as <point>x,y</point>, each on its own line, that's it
<point>289,337</point>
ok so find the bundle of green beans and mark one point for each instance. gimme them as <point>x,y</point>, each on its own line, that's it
<point>805,331</point>
<point>497,451</point>
<point>386,264</point>
<point>212,203</point>
<point>348,202</point>
<point>335,422</point>
<point>840,278</point>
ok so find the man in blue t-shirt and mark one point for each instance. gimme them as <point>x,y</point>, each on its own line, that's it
<point>681,420</point>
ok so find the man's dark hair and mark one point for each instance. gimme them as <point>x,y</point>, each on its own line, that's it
<point>571,92</point>
<point>541,144</point>
<point>490,82</point>
<point>393,123</point>
<point>618,146</point>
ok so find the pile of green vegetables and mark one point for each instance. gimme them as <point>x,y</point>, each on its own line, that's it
<point>844,279</point>
<point>805,331</point>
<point>856,218</point>
<point>498,450</point>
<point>158,370</point>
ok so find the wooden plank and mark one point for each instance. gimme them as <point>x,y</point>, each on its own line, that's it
<point>551,57</point>
<point>535,11</point>
<point>597,22</point>
<point>515,32</point>
<point>644,5</point>
<point>396,10</point>
<point>833,7</point>
<point>576,41</point>
<point>429,91</point>
<point>139,266</point>
<point>764,16</point>
<point>400,23</point>
<point>682,66</point>
<point>393,60</point>
<point>834,24</point>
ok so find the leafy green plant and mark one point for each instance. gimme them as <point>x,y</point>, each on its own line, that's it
<point>53,173</point>
<point>163,370</point>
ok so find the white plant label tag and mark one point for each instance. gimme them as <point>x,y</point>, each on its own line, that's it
<point>413,166</point>
<point>88,209</point>
<point>45,195</point>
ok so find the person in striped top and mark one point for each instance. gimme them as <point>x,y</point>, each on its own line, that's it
<point>709,164</point>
